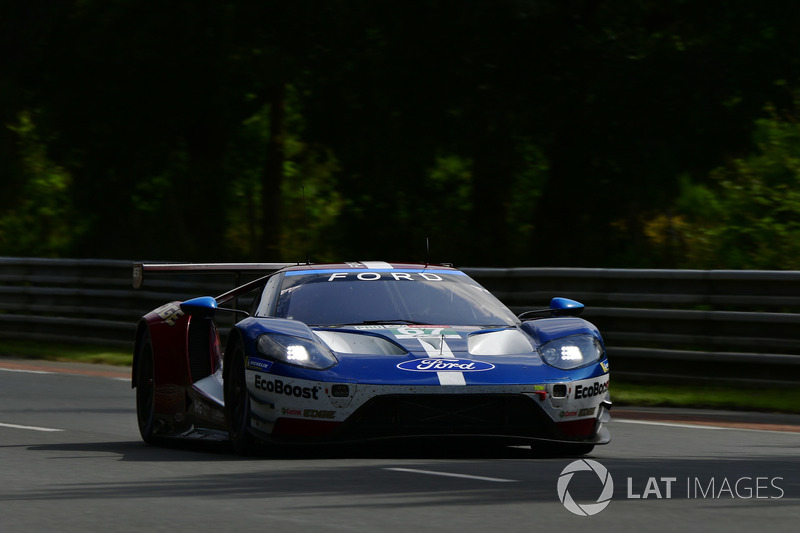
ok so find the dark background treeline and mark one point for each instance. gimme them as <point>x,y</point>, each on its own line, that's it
<point>641,133</point>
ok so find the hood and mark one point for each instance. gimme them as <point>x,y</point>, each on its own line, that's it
<point>422,354</point>
<point>398,354</point>
<point>427,341</point>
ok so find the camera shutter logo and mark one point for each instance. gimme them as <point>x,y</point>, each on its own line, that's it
<point>587,509</point>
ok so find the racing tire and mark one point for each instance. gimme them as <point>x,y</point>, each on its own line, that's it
<point>145,389</point>
<point>237,401</point>
<point>561,449</point>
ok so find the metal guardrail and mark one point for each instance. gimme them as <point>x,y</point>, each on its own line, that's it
<point>688,325</point>
<point>695,326</point>
<point>86,301</point>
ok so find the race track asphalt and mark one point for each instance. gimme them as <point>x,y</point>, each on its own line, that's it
<point>71,460</point>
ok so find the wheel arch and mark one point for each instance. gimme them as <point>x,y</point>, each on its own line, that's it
<point>141,329</point>
<point>234,336</point>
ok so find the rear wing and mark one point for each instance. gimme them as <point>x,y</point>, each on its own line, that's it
<point>139,269</point>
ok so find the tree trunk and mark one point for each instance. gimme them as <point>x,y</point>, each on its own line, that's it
<point>272,177</point>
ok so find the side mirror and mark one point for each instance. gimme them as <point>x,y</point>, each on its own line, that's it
<point>565,307</point>
<point>558,307</point>
<point>206,307</point>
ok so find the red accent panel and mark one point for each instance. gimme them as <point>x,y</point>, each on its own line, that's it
<point>578,428</point>
<point>169,347</point>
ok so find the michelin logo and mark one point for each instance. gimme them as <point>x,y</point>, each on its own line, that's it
<point>254,363</point>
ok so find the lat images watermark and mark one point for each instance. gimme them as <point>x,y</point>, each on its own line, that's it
<point>587,509</point>
<point>744,487</point>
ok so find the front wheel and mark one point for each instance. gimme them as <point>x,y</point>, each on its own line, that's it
<point>237,401</point>
<point>145,389</point>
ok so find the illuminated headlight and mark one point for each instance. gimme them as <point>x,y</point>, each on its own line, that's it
<point>296,351</point>
<point>572,352</point>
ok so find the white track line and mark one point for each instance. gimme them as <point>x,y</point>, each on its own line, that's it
<point>450,474</point>
<point>700,426</point>
<point>32,428</point>
<point>25,371</point>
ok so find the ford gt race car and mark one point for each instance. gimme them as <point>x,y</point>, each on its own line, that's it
<point>369,350</point>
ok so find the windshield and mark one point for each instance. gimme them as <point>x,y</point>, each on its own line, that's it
<point>396,296</point>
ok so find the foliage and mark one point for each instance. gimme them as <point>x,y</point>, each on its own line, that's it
<point>748,215</point>
<point>309,202</point>
<point>42,220</point>
<point>507,131</point>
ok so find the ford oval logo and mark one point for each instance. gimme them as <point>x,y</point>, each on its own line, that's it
<point>445,365</point>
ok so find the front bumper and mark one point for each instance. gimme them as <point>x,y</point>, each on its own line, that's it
<point>290,410</point>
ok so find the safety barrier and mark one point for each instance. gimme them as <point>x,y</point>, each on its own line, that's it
<point>687,325</point>
<point>694,326</point>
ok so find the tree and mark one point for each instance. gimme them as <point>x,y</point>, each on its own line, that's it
<point>748,216</point>
<point>40,220</point>
<point>506,131</point>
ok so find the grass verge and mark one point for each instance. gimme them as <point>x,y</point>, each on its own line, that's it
<point>66,352</point>
<point>705,397</point>
<point>622,393</point>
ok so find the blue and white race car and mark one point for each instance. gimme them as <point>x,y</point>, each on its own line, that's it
<point>368,350</point>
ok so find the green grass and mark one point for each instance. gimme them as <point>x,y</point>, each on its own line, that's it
<point>786,400</point>
<point>66,352</point>
<point>622,393</point>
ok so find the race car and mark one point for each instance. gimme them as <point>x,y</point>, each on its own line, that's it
<point>367,350</point>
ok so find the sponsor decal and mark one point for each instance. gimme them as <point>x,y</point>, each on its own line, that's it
<point>318,413</point>
<point>290,411</point>
<point>586,412</point>
<point>199,408</point>
<point>604,366</point>
<point>279,387</point>
<point>254,363</point>
<point>567,414</point>
<point>340,391</point>
<point>171,313</point>
<point>587,391</point>
<point>540,391</point>
<point>445,365</point>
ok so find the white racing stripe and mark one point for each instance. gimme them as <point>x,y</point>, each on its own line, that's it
<point>443,352</point>
<point>451,378</point>
<point>32,428</point>
<point>377,265</point>
<point>450,474</point>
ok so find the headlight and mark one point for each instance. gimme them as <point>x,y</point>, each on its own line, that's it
<point>296,351</point>
<point>572,352</point>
